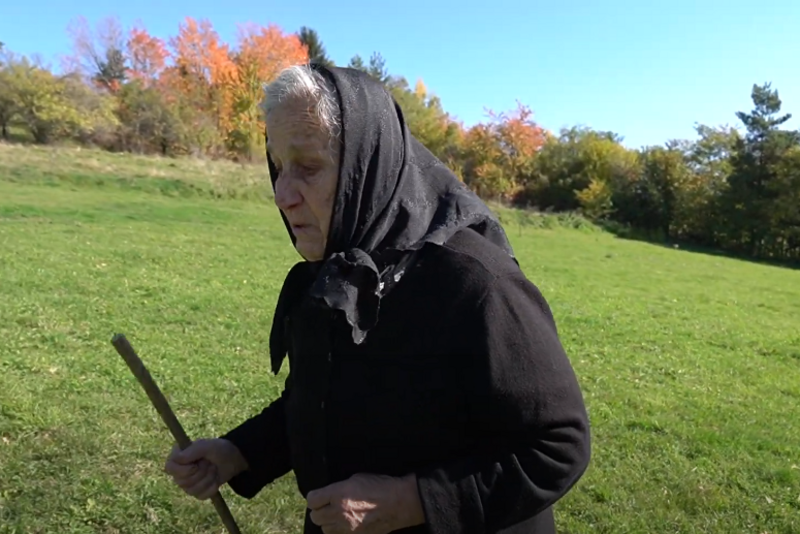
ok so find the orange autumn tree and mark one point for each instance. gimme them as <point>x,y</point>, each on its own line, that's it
<point>261,54</point>
<point>198,86</point>
<point>146,124</point>
<point>147,57</point>
<point>501,153</point>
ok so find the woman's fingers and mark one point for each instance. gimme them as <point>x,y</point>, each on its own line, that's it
<point>208,489</point>
<point>180,471</point>
<point>176,468</point>
<point>192,471</point>
<point>200,472</point>
<point>198,482</point>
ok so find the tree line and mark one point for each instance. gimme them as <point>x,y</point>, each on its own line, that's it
<point>734,189</point>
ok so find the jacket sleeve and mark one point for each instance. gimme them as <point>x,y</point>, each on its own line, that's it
<point>263,442</point>
<point>529,412</point>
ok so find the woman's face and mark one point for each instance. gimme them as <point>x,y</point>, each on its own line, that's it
<point>308,170</point>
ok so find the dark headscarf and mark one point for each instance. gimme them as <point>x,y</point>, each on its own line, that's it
<point>393,197</point>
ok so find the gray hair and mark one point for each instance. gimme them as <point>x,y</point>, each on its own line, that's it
<point>304,83</point>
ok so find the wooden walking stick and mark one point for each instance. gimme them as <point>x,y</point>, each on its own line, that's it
<point>168,416</point>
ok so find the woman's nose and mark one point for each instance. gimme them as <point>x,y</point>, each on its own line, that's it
<point>286,194</point>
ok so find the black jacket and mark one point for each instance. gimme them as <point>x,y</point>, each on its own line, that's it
<point>463,381</point>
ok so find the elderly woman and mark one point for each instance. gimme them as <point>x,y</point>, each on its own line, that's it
<point>428,391</point>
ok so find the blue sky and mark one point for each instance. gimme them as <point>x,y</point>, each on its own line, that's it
<point>646,70</point>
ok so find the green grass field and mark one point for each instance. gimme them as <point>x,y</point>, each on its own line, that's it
<point>690,363</point>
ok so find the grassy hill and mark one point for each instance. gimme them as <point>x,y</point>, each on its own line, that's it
<point>690,363</point>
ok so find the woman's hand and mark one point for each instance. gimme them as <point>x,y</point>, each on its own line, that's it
<point>203,467</point>
<point>367,504</point>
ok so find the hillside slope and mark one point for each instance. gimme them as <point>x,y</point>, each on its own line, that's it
<point>690,363</point>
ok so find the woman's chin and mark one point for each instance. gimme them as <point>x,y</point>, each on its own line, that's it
<point>309,251</point>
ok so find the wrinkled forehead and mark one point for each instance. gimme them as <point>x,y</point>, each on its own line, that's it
<point>293,128</point>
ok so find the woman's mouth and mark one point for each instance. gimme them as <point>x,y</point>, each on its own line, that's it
<point>300,228</point>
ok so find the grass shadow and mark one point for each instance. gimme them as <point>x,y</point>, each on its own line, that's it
<point>622,231</point>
